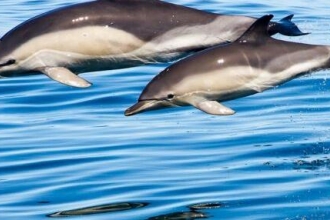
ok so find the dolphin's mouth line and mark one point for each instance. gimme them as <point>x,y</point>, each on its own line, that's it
<point>9,62</point>
<point>154,100</point>
<point>158,100</point>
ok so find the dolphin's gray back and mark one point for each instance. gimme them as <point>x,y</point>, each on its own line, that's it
<point>142,18</point>
<point>255,56</point>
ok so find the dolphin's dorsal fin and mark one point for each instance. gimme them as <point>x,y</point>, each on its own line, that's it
<point>65,76</point>
<point>257,32</point>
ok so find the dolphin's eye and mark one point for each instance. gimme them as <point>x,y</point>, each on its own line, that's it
<point>11,61</point>
<point>170,96</point>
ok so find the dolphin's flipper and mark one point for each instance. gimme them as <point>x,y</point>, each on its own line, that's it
<point>65,76</point>
<point>286,27</point>
<point>214,108</point>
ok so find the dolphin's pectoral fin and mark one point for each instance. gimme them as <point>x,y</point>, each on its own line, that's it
<point>65,76</point>
<point>213,108</point>
<point>207,106</point>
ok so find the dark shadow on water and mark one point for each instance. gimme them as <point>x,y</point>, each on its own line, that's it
<point>43,202</point>
<point>312,165</point>
<point>190,215</point>
<point>194,213</point>
<point>101,209</point>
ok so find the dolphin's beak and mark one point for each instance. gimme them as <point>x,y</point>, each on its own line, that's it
<point>147,105</point>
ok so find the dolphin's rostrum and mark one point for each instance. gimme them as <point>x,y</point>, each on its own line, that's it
<point>112,34</point>
<point>253,63</point>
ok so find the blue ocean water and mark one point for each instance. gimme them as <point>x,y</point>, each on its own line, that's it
<point>72,153</point>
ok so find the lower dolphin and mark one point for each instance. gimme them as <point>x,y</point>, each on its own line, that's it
<point>252,64</point>
<point>112,34</point>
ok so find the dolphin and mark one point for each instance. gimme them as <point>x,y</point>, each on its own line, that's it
<point>111,34</point>
<point>253,63</point>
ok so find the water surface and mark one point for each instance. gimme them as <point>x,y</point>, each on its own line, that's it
<point>70,152</point>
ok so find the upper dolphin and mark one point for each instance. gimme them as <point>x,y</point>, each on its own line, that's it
<point>110,34</point>
<point>253,63</point>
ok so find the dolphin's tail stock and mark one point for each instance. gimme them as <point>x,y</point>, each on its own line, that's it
<point>286,27</point>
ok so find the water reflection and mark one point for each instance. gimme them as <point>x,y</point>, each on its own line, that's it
<point>190,215</point>
<point>214,205</point>
<point>312,165</point>
<point>194,213</point>
<point>101,209</point>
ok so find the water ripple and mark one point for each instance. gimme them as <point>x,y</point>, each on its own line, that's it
<point>71,152</point>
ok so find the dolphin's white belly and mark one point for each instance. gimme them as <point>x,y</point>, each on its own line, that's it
<point>220,84</point>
